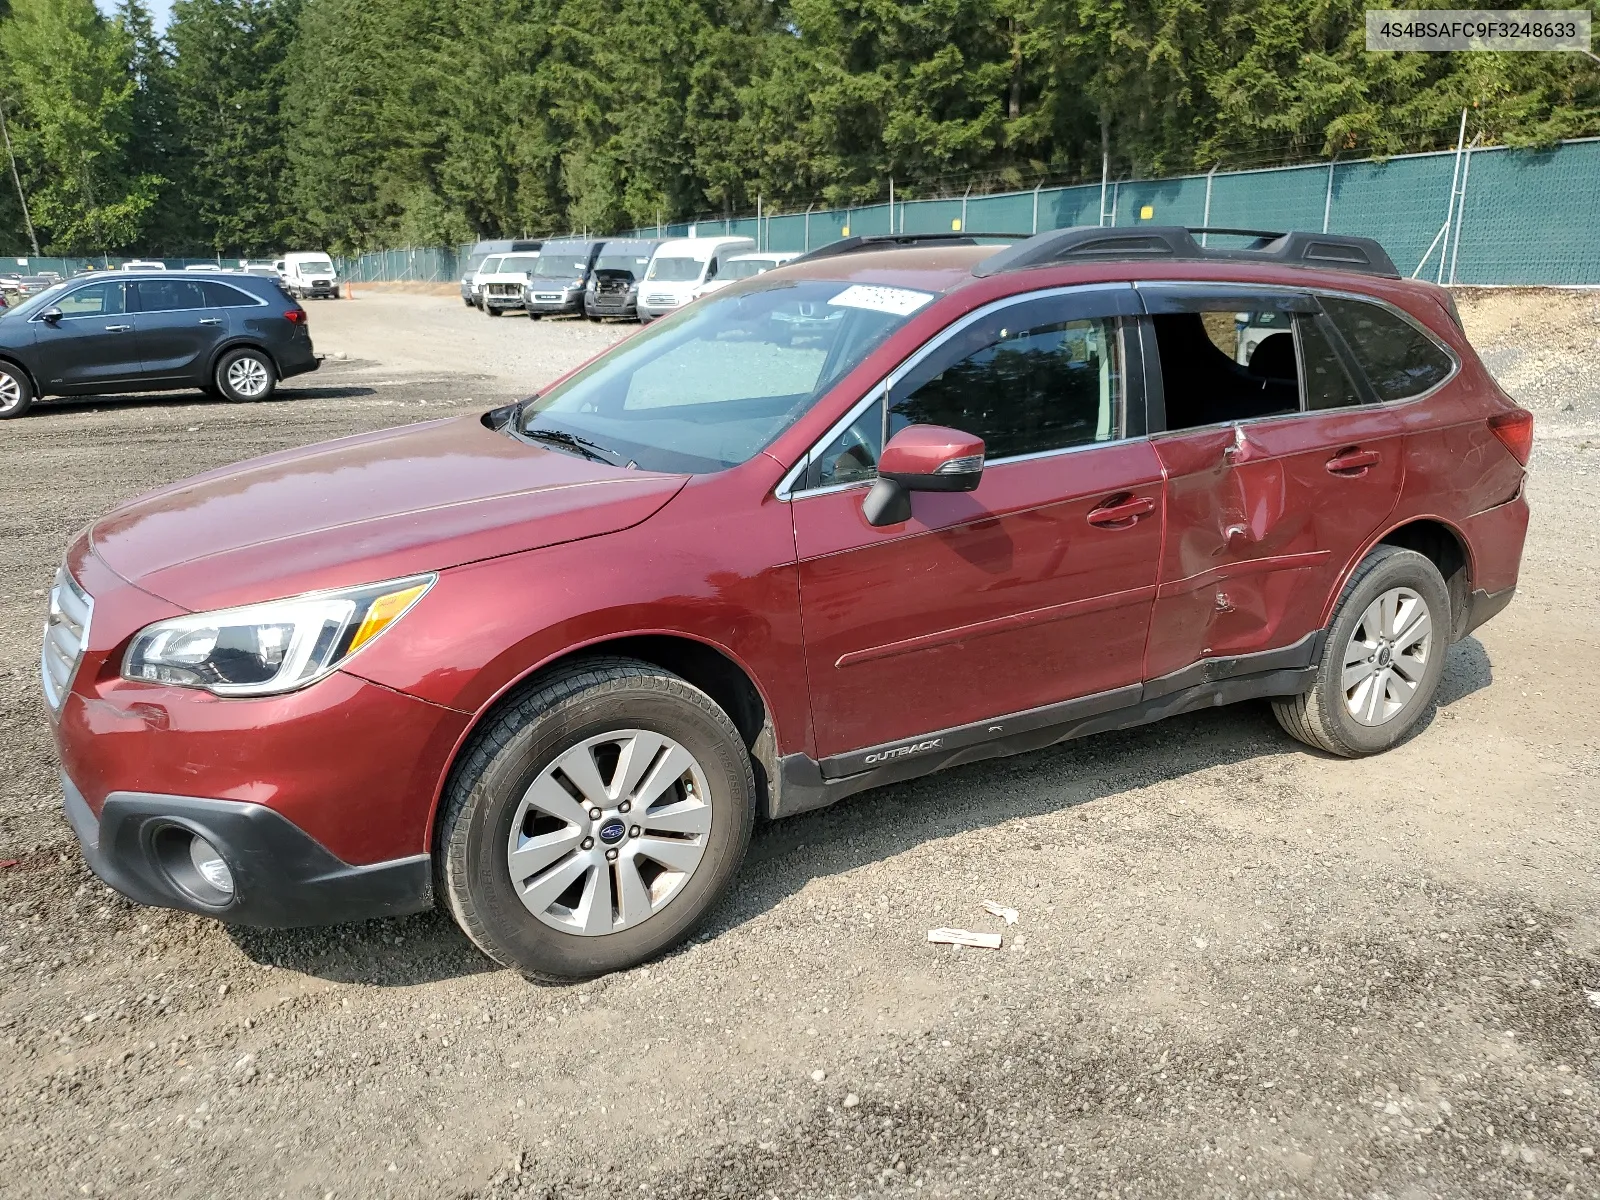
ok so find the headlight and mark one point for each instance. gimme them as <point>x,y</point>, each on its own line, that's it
<point>265,649</point>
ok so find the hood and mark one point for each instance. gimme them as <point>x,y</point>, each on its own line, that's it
<point>372,507</point>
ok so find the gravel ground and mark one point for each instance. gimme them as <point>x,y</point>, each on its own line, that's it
<point>1241,969</point>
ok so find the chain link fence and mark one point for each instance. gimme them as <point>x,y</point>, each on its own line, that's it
<point>1489,215</point>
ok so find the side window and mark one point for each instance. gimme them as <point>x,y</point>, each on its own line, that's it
<point>1045,386</point>
<point>169,295</point>
<point>1327,383</point>
<point>1221,364</point>
<point>1399,359</point>
<point>96,300</point>
<point>220,295</point>
<point>852,456</point>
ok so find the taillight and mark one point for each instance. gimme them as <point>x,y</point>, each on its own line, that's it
<point>1515,429</point>
<point>295,316</point>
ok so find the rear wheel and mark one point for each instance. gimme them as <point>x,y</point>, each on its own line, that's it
<point>594,822</point>
<point>245,375</point>
<point>16,393</point>
<point>1382,660</point>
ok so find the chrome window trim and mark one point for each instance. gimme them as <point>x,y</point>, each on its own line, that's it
<point>87,284</point>
<point>785,491</point>
<point>1316,292</point>
<point>258,301</point>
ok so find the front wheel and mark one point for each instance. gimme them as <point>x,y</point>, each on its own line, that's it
<point>16,393</point>
<point>245,375</point>
<point>594,822</point>
<point>491,310</point>
<point>1382,660</point>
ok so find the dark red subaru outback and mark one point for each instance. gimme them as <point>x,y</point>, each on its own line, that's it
<point>900,505</point>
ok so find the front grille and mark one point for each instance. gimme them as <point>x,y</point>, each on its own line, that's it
<point>662,301</point>
<point>505,289</point>
<point>66,632</point>
<point>548,297</point>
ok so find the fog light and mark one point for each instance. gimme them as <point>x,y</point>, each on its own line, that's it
<point>193,866</point>
<point>209,863</point>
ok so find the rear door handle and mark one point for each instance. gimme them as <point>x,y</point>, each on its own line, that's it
<point>1353,462</point>
<point>211,320</point>
<point>118,328</point>
<point>1120,513</point>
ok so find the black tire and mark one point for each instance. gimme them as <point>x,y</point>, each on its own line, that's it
<point>467,301</point>
<point>244,354</point>
<point>491,310</point>
<point>589,698</point>
<point>16,393</point>
<point>533,316</point>
<point>1321,718</point>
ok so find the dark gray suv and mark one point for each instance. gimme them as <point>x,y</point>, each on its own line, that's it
<point>234,336</point>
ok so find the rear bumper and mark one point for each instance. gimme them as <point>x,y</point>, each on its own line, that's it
<point>299,366</point>
<point>282,876</point>
<point>1482,605</point>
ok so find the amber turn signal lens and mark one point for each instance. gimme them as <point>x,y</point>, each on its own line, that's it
<point>381,612</point>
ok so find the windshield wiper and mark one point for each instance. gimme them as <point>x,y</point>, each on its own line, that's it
<point>559,437</point>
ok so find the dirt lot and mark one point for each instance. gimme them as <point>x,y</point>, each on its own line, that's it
<point>1241,969</point>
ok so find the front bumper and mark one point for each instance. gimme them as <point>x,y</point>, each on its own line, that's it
<point>282,876</point>
<point>610,305</point>
<point>553,302</point>
<point>502,303</point>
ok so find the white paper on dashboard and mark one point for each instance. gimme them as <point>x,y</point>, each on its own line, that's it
<point>902,302</point>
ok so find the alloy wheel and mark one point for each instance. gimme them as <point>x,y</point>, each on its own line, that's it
<point>248,377</point>
<point>10,392</point>
<point>609,832</point>
<point>1387,656</point>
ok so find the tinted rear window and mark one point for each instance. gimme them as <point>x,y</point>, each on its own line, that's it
<point>1400,360</point>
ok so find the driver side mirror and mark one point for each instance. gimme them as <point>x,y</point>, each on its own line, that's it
<point>922,458</point>
<point>50,316</point>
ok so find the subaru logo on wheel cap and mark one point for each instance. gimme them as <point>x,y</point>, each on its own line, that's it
<point>612,831</point>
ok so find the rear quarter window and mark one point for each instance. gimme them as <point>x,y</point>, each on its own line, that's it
<point>1399,359</point>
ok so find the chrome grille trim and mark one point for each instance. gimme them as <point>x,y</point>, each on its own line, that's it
<point>66,633</point>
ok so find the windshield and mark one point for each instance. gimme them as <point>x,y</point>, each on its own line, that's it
<point>473,263</point>
<point>745,268</point>
<point>709,386</point>
<point>314,265</point>
<point>522,263</point>
<point>561,266</point>
<point>490,265</point>
<point>633,264</point>
<point>676,270</point>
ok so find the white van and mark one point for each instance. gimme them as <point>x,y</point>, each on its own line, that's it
<point>680,266</point>
<point>745,266</point>
<point>310,274</point>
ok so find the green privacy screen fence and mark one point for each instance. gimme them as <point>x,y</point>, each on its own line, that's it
<point>1526,216</point>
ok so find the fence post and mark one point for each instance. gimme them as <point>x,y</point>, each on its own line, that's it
<point>809,207</point>
<point>1036,188</point>
<point>1105,172</point>
<point>1205,219</point>
<point>1450,211</point>
<point>1461,209</point>
<point>964,196</point>
<point>1327,202</point>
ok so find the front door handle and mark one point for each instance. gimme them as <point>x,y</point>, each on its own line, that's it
<point>211,320</point>
<point>1121,512</point>
<point>1353,463</point>
<point>118,328</point>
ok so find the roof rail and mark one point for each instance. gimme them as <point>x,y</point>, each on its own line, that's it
<point>890,241</point>
<point>1091,242</point>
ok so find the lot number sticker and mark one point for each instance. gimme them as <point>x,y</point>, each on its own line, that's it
<point>902,302</point>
